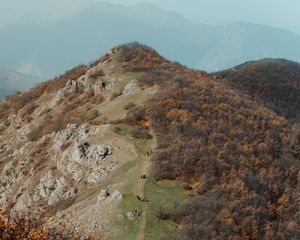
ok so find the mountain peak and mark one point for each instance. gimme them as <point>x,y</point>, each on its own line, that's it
<point>79,148</point>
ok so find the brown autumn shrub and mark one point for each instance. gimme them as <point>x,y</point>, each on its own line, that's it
<point>25,228</point>
<point>97,73</point>
<point>57,124</point>
<point>275,82</point>
<point>34,134</point>
<point>141,133</point>
<point>96,99</point>
<point>135,116</point>
<point>129,106</point>
<point>241,156</point>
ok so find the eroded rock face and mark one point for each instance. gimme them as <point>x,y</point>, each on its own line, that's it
<point>83,84</point>
<point>80,159</point>
<point>46,185</point>
<point>117,195</point>
<point>105,195</point>
<point>73,159</point>
<point>88,155</point>
<point>131,88</point>
<point>59,192</point>
<point>45,172</point>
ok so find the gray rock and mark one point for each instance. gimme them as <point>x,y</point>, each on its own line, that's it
<point>75,170</point>
<point>47,185</point>
<point>133,214</point>
<point>23,203</point>
<point>96,175</point>
<point>99,87</point>
<point>88,155</point>
<point>102,196</point>
<point>131,88</point>
<point>58,194</point>
<point>60,214</point>
<point>117,195</point>
<point>71,192</point>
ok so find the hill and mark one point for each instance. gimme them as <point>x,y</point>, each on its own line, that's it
<point>134,146</point>
<point>12,81</point>
<point>89,31</point>
<point>275,82</point>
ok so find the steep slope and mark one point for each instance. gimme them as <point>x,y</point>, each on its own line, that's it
<point>76,148</point>
<point>275,82</point>
<point>240,158</point>
<point>33,46</point>
<point>64,157</point>
<point>12,81</point>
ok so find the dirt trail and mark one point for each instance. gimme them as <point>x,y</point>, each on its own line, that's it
<point>145,170</point>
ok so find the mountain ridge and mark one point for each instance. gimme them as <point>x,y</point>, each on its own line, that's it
<point>273,81</point>
<point>219,165</point>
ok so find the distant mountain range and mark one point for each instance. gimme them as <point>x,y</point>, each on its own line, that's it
<point>50,46</point>
<point>12,81</point>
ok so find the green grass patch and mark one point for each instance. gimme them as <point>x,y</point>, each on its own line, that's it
<point>165,196</point>
<point>122,129</point>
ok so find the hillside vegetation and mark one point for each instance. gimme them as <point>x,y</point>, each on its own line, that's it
<point>224,164</point>
<point>240,158</point>
<point>273,82</point>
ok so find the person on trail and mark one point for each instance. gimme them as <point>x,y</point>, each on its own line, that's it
<point>137,213</point>
<point>141,199</point>
<point>149,152</point>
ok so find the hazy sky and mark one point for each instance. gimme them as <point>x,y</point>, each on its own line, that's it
<point>278,13</point>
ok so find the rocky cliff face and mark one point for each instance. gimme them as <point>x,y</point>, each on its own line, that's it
<point>51,156</point>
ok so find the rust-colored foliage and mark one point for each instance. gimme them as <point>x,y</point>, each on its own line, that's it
<point>242,158</point>
<point>25,228</point>
<point>16,102</point>
<point>276,83</point>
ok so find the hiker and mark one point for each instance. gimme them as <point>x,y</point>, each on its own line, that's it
<point>143,176</point>
<point>141,199</point>
<point>149,152</point>
<point>137,213</point>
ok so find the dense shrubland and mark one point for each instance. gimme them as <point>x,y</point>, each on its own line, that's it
<point>276,83</point>
<point>26,228</point>
<point>241,158</point>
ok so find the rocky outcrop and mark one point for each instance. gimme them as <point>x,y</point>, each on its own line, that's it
<point>89,156</point>
<point>53,189</point>
<point>117,195</point>
<point>46,185</point>
<point>57,166</point>
<point>73,156</point>
<point>80,159</point>
<point>105,195</point>
<point>131,88</point>
<point>84,84</point>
